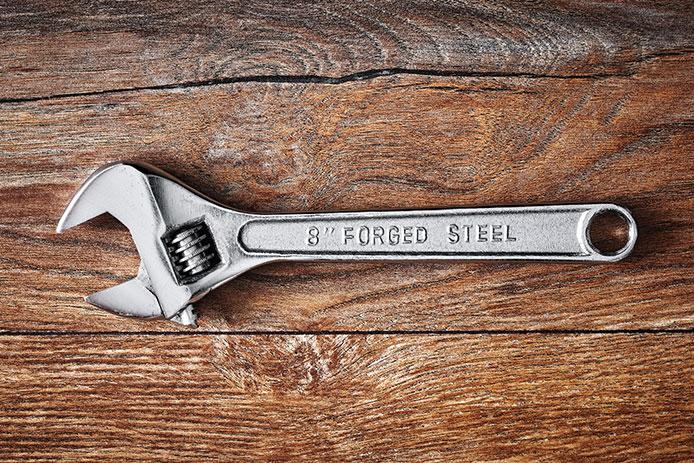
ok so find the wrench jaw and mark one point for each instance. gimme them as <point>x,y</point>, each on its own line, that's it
<point>133,194</point>
<point>81,207</point>
<point>133,298</point>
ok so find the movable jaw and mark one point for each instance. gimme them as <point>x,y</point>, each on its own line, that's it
<point>167,222</point>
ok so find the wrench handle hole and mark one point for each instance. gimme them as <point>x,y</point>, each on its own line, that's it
<point>609,232</point>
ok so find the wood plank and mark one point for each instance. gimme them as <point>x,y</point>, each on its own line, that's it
<point>53,47</point>
<point>386,143</point>
<point>347,398</point>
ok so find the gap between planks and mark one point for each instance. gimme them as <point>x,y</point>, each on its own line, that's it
<point>351,333</point>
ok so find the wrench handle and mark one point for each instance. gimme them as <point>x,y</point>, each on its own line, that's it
<point>558,232</point>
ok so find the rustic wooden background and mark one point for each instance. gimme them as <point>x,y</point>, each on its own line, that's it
<point>347,105</point>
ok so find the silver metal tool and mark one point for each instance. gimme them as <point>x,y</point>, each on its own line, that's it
<point>189,244</point>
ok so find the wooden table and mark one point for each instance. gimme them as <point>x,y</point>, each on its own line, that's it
<point>293,106</point>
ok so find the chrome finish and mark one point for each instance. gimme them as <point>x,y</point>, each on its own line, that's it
<point>190,244</point>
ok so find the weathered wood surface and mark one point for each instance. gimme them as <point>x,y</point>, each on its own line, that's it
<point>384,143</point>
<point>297,106</point>
<point>347,398</point>
<point>55,47</point>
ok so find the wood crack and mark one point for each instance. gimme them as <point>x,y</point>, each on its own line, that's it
<point>310,79</point>
<point>353,77</point>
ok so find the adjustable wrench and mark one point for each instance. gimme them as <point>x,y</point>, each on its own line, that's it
<point>189,244</point>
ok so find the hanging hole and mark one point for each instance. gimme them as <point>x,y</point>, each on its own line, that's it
<point>609,232</point>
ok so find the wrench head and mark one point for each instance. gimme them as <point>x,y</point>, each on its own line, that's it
<point>170,226</point>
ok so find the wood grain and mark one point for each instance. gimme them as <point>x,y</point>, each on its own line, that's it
<point>302,106</point>
<point>347,398</point>
<point>52,47</point>
<point>385,143</point>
